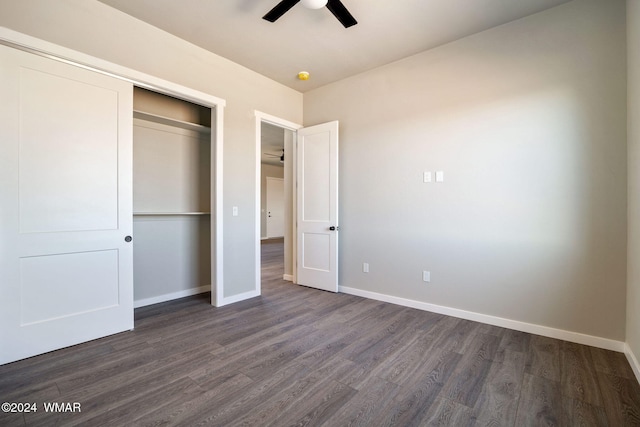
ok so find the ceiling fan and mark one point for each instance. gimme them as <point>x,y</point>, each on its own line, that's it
<point>335,6</point>
<point>281,156</point>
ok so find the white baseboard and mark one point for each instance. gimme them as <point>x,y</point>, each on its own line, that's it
<point>171,296</point>
<point>238,298</point>
<point>531,328</point>
<point>287,277</point>
<point>633,361</point>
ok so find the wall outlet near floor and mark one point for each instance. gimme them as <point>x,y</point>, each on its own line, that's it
<point>426,276</point>
<point>365,267</point>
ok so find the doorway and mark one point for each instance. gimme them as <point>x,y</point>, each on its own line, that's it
<point>310,159</point>
<point>275,166</point>
<point>171,198</point>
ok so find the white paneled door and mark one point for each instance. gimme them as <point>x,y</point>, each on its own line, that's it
<point>275,207</point>
<point>66,273</point>
<point>317,206</point>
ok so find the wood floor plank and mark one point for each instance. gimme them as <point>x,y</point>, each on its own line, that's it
<point>270,335</point>
<point>105,370</point>
<point>327,350</point>
<point>402,368</point>
<point>540,402</point>
<point>268,364</point>
<point>513,341</point>
<point>544,358</point>
<point>578,413</point>
<point>12,419</point>
<point>316,406</point>
<point>455,334</point>
<point>384,337</point>
<point>45,391</point>
<point>473,368</point>
<point>128,385</point>
<point>50,366</point>
<point>371,361</point>
<point>184,408</point>
<point>239,361</point>
<point>497,403</point>
<point>347,314</point>
<point>412,403</point>
<point>578,374</point>
<point>621,398</point>
<point>446,413</point>
<point>366,408</point>
<point>611,362</point>
<point>268,396</point>
<point>298,356</point>
<point>120,415</point>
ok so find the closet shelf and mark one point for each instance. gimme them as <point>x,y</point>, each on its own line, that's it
<point>170,213</point>
<point>170,122</point>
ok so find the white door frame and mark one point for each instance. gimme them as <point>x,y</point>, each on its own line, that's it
<point>43,48</point>
<point>285,124</point>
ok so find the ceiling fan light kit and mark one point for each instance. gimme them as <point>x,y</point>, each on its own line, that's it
<point>335,6</point>
<point>314,4</point>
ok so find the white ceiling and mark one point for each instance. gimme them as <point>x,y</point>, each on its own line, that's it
<point>314,41</point>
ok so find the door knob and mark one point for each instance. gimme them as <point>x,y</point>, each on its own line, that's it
<point>333,228</point>
<point>128,239</point>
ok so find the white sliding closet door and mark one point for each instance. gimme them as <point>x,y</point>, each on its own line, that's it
<point>66,205</point>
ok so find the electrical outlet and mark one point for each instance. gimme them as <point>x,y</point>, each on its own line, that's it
<point>426,276</point>
<point>365,267</point>
<point>427,176</point>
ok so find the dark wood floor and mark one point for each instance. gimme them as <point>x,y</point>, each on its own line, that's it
<point>298,356</point>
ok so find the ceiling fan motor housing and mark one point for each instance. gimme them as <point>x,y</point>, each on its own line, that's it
<point>335,7</point>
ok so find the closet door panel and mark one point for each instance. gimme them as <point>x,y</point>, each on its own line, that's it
<point>66,271</point>
<point>66,162</point>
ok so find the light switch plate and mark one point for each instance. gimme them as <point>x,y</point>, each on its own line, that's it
<point>439,176</point>
<point>235,211</point>
<point>427,176</point>
<point>426,276</point>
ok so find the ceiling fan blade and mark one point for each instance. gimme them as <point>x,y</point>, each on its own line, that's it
<point>280,9</point>
<point>339,11</point>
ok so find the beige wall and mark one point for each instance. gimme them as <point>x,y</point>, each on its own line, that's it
<point>527,121</point>
<point>93,28</point>
<point>273,172</point>
<point>633,123</point>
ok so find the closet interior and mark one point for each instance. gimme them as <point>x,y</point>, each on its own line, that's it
<point>171,198</point>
